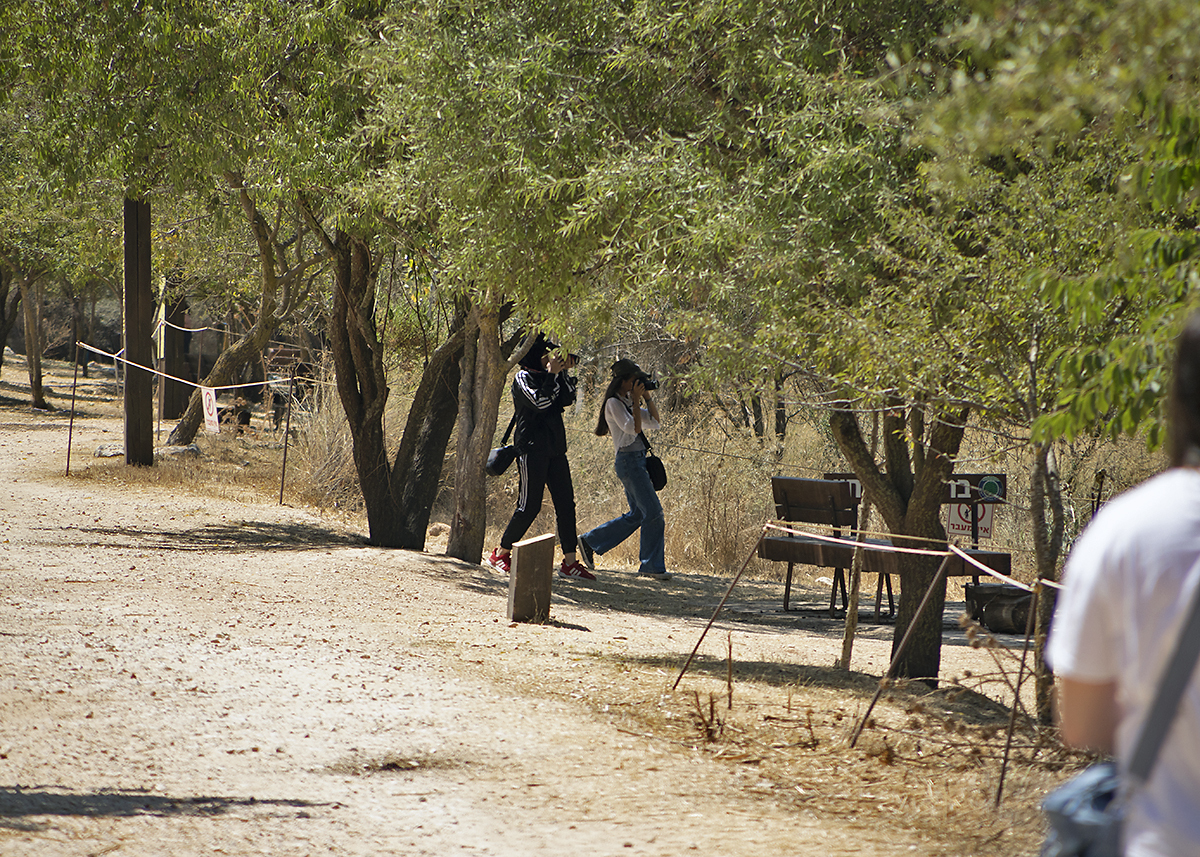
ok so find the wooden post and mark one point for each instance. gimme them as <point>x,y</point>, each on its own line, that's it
<point>139,323</point>
<point>529,581</point>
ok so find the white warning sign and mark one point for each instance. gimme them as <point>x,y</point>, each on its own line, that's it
<point>209,397</point>
<point>959,519</point>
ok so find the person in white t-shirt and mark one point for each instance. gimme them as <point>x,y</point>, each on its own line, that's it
<point>623,416</point>
<point>1128,582</point>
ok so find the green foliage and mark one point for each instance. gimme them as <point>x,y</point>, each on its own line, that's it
<point>1049,82</point>
<point>178,91</point>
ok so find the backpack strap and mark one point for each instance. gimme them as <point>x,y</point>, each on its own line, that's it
<point>1175,679</point>
<point>641,435</point>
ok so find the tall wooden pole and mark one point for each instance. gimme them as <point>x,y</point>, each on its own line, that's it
<point>139,347</point>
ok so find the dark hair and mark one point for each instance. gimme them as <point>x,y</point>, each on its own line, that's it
<point>1183,401</point>
<point>622,371</point>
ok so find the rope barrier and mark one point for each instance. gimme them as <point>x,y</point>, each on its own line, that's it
<point>162,322</point>
<point>1053,584</point>
<point>269,382</point>
<point>885,548</point>
<point>865,545</point>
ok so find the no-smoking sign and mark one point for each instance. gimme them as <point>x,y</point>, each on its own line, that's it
<point>209,397</point>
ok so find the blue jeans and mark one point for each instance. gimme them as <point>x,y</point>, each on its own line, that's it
<point>645,512</point>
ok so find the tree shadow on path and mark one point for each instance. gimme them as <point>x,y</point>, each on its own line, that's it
<point>236,537</point>
<point>19,806</point>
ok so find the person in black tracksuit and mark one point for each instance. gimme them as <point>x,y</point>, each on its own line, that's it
<point>542,390</point>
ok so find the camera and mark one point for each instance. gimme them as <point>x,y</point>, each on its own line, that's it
<point>647,382</point>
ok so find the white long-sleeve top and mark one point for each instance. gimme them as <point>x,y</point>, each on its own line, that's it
<point>618,413</point>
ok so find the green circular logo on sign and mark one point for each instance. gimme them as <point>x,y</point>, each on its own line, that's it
<point>989,488</point>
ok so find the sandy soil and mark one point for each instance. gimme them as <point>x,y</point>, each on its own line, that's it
<point>184,675</point>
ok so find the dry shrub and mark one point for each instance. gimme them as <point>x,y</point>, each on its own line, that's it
<point>323,472</point>
<point>242,467</point>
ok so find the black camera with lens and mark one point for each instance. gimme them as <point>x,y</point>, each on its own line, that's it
<point>647,382</point>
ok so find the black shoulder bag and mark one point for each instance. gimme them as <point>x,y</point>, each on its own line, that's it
<point>654,465</point>
<point>501,457</point>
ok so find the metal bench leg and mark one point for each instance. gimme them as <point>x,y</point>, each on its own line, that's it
<point>839,579</point>
<point>787,587</point>
<point>884,580</point>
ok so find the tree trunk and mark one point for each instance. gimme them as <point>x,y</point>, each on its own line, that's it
<point>909,499</point>
<point>756,409</point>
<point>10,302</point>
<point>422,452</point>
<point>484,371</point>
<point>175,394</point>
<point>33,341</point>
<point>398,498</point>
<point>781,415</point>
<point>362,388</point>
<point>1045,496</point>
<point>79,356</point>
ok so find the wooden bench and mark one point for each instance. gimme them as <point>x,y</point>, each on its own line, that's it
<point>833,503</point>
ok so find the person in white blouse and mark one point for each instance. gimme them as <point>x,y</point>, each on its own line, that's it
<point>627,411</point>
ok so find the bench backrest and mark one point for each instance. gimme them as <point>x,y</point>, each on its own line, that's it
<point>814,501</point>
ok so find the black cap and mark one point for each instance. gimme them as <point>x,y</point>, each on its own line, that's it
<point>626,368</point>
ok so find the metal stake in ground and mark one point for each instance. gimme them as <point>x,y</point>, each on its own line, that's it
<point>717,612</point>
<point>1012,717</point>
<point>287,431</point>
<point>937,578</point>
<point>71,424</point>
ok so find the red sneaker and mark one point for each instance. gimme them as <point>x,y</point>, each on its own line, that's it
<point>500,563</point>
<point>576,570</point>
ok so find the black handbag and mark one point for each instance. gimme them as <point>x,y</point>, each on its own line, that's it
<point>654,466</point>
<point>1086,814</point>
<point>500,458</point>
<point>657,471</point>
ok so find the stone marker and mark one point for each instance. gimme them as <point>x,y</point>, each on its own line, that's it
<point>529,580</point>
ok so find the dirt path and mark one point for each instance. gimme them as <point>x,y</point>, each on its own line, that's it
<point>185,675</point>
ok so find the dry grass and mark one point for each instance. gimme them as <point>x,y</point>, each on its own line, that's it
<point>926,766</point>
<point>921,765</point>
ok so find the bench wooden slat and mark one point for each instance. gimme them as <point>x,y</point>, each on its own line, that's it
<point>814,501</point>
<point>805,551</point>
